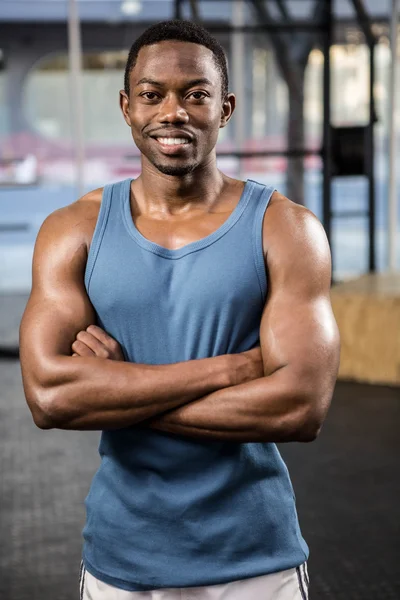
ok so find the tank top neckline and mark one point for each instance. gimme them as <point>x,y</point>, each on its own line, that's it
<point>147,244</point>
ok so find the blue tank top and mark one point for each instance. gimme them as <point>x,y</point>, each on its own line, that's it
<point>168,510</point>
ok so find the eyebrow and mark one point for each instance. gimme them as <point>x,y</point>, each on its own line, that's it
<point>189,84</point>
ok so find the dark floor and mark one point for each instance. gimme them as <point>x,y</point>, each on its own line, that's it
<point>347,485</point>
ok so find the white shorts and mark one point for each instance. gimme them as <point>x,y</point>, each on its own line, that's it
<point>284,585</point>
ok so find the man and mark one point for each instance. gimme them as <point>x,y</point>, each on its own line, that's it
<point>150,319</point>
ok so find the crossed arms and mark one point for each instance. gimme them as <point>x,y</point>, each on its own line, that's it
<point>278,392</point>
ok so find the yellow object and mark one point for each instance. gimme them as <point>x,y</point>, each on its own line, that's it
<point>367,311</point>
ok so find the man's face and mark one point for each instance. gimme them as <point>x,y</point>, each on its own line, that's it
<point>175,108</point>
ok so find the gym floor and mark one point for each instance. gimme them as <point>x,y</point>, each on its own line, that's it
<point>347,486</point>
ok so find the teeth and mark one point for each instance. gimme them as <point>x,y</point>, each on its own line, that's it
<point>173,141</point>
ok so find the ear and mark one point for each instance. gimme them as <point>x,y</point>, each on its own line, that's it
<point>228,106</point>
<point>124,105</point>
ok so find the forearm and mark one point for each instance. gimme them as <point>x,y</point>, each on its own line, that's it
<point>93,393</point>
<point>263,410</point>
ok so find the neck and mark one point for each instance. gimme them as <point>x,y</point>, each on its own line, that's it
<point>157,192</point>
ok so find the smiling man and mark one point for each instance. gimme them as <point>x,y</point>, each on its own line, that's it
<point>187,316</point>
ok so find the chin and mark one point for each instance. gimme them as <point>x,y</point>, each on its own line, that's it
<point>176,170</point>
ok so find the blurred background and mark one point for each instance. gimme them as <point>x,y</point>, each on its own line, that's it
<point>318,117</point>
<point>49,115</point>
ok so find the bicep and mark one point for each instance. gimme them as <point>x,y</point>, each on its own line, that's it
<point>298,332</point>
<point>58,306</point>
<point>299,335</point>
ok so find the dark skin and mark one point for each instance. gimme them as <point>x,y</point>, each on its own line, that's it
<point>171,208</point>
<point>74,374</point>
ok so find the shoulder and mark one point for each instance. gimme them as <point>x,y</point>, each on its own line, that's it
<point>86,206</point>
<point>294,239</point>
<point>289,217</point>
<point>74,222</point>
<point>61,247</point>
<point>290,224</point>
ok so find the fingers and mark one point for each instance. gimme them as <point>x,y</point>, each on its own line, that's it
<point>80,349</point>
<point>111,345</point>
<point>94,341</point>
<point>87,344</point>
<point>100,335</point>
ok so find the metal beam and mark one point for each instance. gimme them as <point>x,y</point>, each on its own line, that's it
<point>365,21</point>
<point>370,156</point>
<point>327,141</point>
<point>392,188</point>
<point>238,53</point>
<point>178,9</point>
<point>371,39</point>
<point>75,69</point>
<point>282,55</point>
<point>271,26</point>
<point>195,10</point>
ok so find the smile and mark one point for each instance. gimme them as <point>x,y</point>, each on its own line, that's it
<point>168,141</point>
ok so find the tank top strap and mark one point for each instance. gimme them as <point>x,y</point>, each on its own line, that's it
<point>263,197</point>
<point>111,204</point>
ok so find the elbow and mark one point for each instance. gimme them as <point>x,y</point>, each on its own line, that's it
<point>42,405</point>
<point>303,410</point>
<point>309,425</point>
<point>312,405</point>
<point>301,424</point>
<point>43,422</point>
<point>309,433</point>
<point>293,427</point>
<point>45,396</point>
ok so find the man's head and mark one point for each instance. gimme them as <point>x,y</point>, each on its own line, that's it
<point>175,98</point>
<point>183,31</point>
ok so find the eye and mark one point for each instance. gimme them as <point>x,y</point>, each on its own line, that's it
<point>149,95</point>
<point>198,95</point>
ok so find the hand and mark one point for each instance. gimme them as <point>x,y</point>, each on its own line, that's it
<point>96,342</point>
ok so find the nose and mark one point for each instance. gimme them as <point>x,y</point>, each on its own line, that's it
<point>172,111</point>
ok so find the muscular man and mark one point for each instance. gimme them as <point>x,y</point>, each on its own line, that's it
<point>187,316</point>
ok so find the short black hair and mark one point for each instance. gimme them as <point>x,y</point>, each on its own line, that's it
<point>183,31</point>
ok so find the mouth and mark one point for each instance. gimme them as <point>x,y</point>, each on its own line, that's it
<point>174,142</point>
<point>171,145</point>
